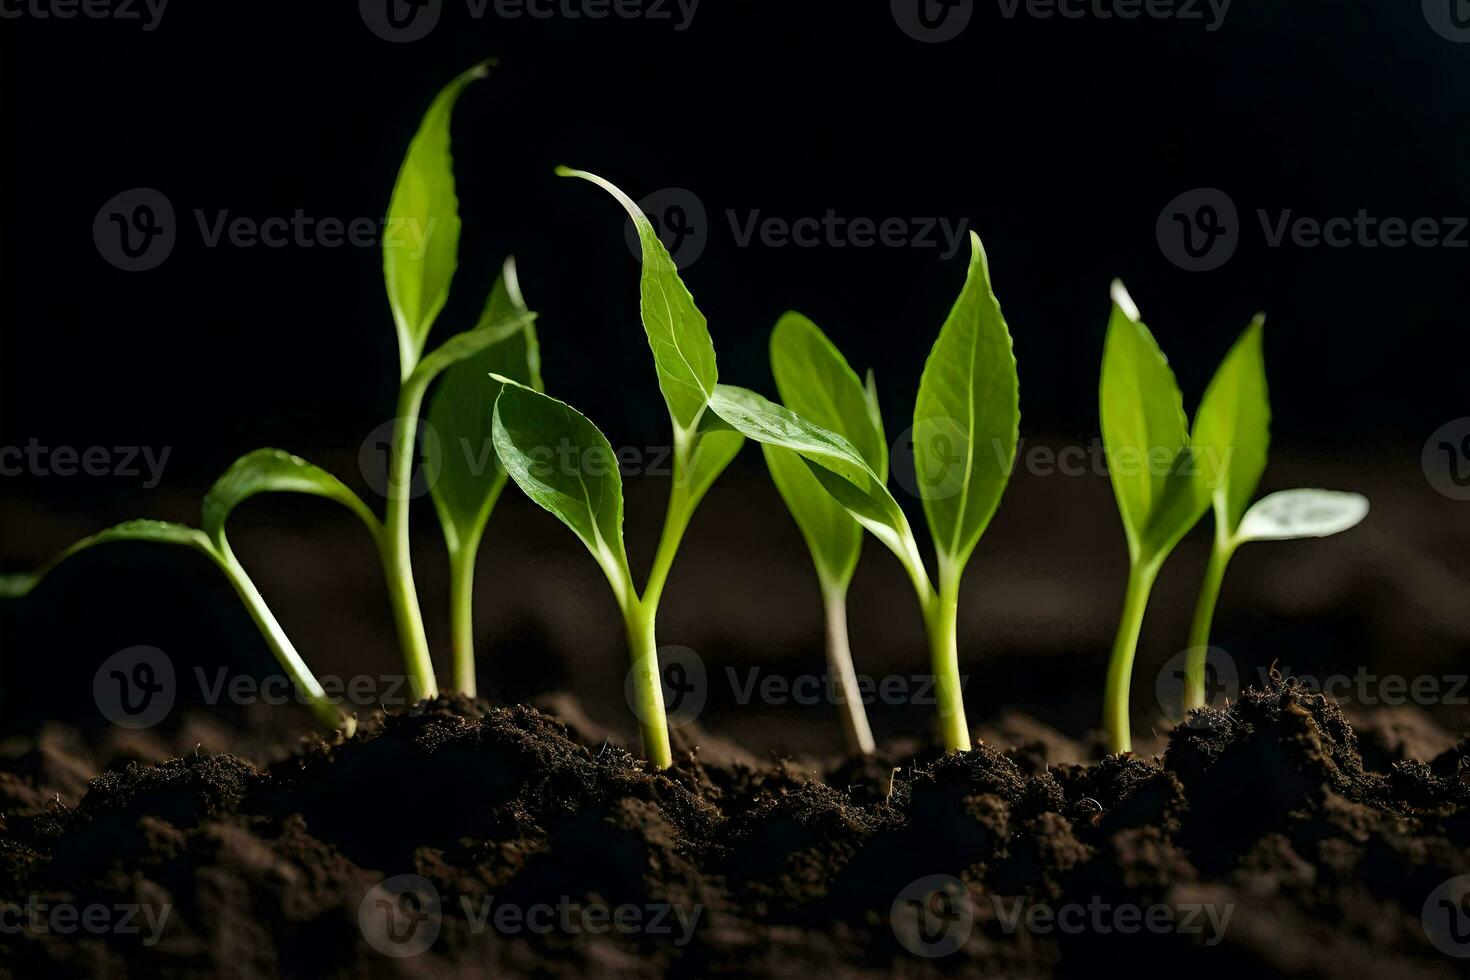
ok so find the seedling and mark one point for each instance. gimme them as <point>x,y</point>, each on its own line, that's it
<point>423,214</point>
<point>532,429</point>
<point>815,381</point>
<point>966,427</point>
<point>1158,488</point>
<point>1232,434</point>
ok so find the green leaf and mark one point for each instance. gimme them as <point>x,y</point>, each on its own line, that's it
<point>1232,432</point>
<point>816,382</point>
<point>565,464</point>
<point>462,411</point>
<point>1159,491</point>
<point>15,586</point>
<point>421,240</point>
<point>834,461</point>
<point>713,450</point>
<point>1291,514</point>
<point>832,535</point>
<point>275,471</point>
<point>967,417</point>
<point>682,349</point>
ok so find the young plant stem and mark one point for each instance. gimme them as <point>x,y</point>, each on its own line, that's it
<point>397,561</point>
<point>941,619</point>
<point>1199,628</point>
<point>648,691</point>
<point>1141,575</point>
<point>275,637</point>
<point>462,618</point>
<point>839,662</point>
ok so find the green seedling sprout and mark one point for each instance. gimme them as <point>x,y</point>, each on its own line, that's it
<point>1232,435</point>
<point>1159,490</point>
<point>420,248</point>
<point>815,381</point>
<point>587,494</point>
<point>966,428</point>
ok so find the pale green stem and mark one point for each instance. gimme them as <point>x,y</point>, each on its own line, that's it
<point>397,560</point>
<point>648,692</point>
<point>839,662</point>
<point>941,618</point>
<point>1141,577</point>
<point>1204,617</point>
<point>275,637</point>
<point>462,616</point>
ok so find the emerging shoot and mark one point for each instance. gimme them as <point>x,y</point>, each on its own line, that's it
<point>1232,434</point>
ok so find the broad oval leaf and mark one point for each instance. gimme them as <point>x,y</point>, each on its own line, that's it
<point>462,411</point>
<point>683,352</point>
<point>275,471</point>
<point>1289,514</point>
<point>1232,432</point>
<point>967,416</point>
<point>565,464</point>
<point>421,238</point>
<point>1146,434</point>
<point>14,586</point>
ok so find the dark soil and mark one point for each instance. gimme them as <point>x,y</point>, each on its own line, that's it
<point>589,864</point>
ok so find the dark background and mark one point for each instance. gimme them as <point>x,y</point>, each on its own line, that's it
<point>1060,141</point>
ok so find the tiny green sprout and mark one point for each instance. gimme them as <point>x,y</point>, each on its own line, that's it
<point>815,381</point>
<point>1232,434</point>
<point>587,494</point>
<point>1158,488</point>
<point>966,428</point>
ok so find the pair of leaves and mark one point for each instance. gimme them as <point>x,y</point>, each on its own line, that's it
<point>1165,477</point>
<point>966,429</point>
<point>1232,436</point>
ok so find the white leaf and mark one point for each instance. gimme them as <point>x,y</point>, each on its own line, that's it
<point>1301,514</point>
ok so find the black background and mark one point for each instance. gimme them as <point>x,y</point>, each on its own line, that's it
<point>1060,141</point>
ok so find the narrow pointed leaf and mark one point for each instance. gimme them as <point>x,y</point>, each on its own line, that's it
<point>1301,514</point>
<point>565,464</point>
<point>462,412</point>
<point>275,471</point>
<point>678,335</point>
<point>1232,432</point>
<point>1159,492</point>
<point>421,239</point>
<point>714,450</point>
<point>832,535</point>
<point>15,586</point>
<point>967,416</point>
<point>816,382</point>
